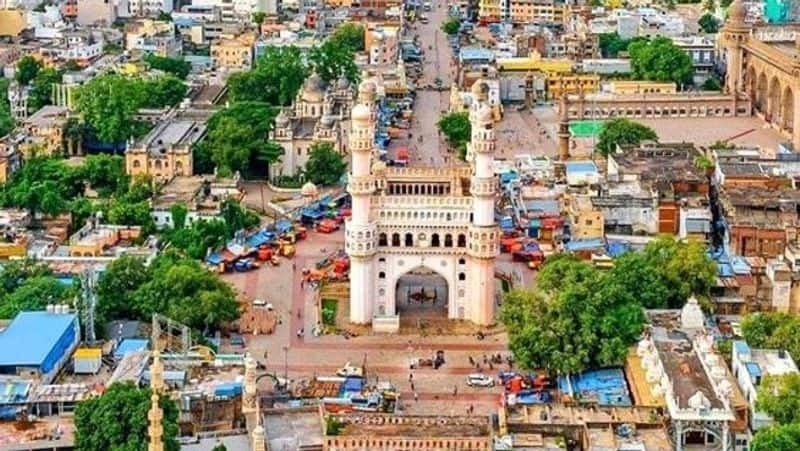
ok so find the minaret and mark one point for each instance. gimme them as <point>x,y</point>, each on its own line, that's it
<point>360,229</point>
<point>733,34</point>
<point>250,389</point>
<point>563,130</point>
<point>155,415</point>
<point>483,234</point>
<point>257,436</point>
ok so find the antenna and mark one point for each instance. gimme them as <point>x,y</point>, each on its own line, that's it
<point>88,301</point>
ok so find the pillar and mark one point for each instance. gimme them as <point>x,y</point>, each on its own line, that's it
<point>258,439</point>
<point>360,229</point>
<point>483,234</point>
<point>563,131</point>
<point>250,388</point>
<point>796,119</point>
<point>155,430</point>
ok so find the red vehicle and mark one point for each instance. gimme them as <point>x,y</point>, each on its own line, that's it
<point>327,226</point>
<point>264,253</point>
<point>301,233</point>
<point>341,265</point>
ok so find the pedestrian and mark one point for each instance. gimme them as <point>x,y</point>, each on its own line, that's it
<point>485,360</point>
<point>491,367</point>
<point>294,266</point>
<point>455,390</point>
<point>410,377</point>
<point>471,409</point>
<point>416,397</point>
<point>412,387</point>
<point>471,361</point>
<point>302,284</point>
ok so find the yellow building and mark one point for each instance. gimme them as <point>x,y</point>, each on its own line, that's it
<point>640,87</point>
<point>166,152</point>
<point>527,11</point>
<point>535,63</point>
<point>571,84</point>
<point>489,11</point>
<point>43,131</point>
<point>12,22</point>
<point>587,221</point>
<point>93,239</point>
<point>234,52</point>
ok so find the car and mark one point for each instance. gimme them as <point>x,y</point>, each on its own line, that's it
<point>480,380</point>
<point>237,340</point>
<point>350,370</point>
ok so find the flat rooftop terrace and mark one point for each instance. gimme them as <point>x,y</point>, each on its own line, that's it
<point>686,372</point>
<point>414,426</point>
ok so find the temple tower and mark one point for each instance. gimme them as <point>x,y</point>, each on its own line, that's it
<point>155,430</point>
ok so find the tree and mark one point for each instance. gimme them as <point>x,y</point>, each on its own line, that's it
<point>660,60</point>
<point>163,91</point>
<point>117,286</point>
<point>6,119</point>
<point>178,212</point>
<point>123,212</point>
<point>182,288</point>
<point>451,26</point>
<point>198,238</point>
<point>108,104</point>
<point>258,17</point>
<point>42,185</point>
<point>233,145</point>
<point>710,5</point>
<point>325,166</point>
<point>333,60</point>
<point>105,173</point>
<point>773,330</point>
<point>164,16</point>
<point>42,88</point>
<point>27,69</point>
<point>175,66</point>
<point>237,218</point>
<point>622,132</point>
<point>71,66</point>
<point>117,420</point>
<point>582,320</point>
<point>712,84</point>
<point>708,23</point>
<point>276,78</point>
<point>457,129</point>
<point>785,437</point>
<point>685,268</point>
<point>779,396</point>
<point>34,293</point>
<point>350,35</point>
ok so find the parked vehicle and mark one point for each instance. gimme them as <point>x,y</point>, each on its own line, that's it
<point>237,340</point>
<point>350,370</point>
<point>327,226</point>
<point>480,380</point>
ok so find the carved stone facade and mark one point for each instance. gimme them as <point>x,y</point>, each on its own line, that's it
<point>316,116</point>
<point>437,219</point>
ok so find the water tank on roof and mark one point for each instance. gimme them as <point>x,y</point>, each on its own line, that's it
<point>50,308</point>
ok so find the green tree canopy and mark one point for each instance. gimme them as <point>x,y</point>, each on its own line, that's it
<point>237,137</point>
<point>774,331</point>
<point>27,69</point>
<point>6,119</point>
<point>622,132</point>
<point>27,285</point>
<point>660,60</point>
<point>42,88</point>
<point>333,60</point>
<point>451,26</point>
<point>258,17</point>
<point>708,23</point>
<point>116,288</point>
<point>117,420</point>
<point>457,129</point>
<point>175,66</point>
<point>325,166</point>
<point>779,396</point>
<point>583,321</point>
<point>105,173</point>
<point>42,185</point>
<point>785,437</point>
<point>276,78</point>
<point>350,35</point>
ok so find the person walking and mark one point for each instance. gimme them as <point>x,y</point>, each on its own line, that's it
<point>455,390</point>
<point>412,387</point>
<point>416,397</point>
<point>410,377</point>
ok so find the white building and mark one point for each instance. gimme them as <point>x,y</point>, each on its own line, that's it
<point>421,222</point>
<point>144,8</point>
<point>239,10</point>
<point>750,366</point>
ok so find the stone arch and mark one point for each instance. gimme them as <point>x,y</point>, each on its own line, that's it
<point>761,93</point>
<point>751,83</point>
<point>787,109</point>
<point>774,100</point>
<point>431,280</point>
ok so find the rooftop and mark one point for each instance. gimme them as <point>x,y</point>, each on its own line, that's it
<point>686,373</point>
<point>31,336</point>
<point>171,133</point>
<point>661,162</point>
<point>386,425</point>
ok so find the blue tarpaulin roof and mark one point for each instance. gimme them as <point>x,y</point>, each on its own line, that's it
<point>542,206</point>
<point>582,245</point>
<point>741,347</point>
<point>283,226</point>
<point>606,387</point>
<point>753,369</point>
<point>257,239</point>
<point>215,258</point>
<point>579,167</point>
<point>37,339</point>
<point>617,248</point>
<point>130,345</point>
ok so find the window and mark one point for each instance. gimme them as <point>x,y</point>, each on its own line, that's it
<point>381,275</point>
<point>448,240</point>
<point>462,240</point>
<point>462,276</point>
<point>435,240</point>
<point>382,239</point>
<point>409,240</point>
<point>395,239</point>
<point>462,261</point>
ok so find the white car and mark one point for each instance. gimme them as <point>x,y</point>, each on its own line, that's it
<point>350,370</point>
<point>480,380</point>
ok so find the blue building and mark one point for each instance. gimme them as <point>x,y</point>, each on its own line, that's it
<point>37,344</point>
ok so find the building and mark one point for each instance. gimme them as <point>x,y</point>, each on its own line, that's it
<point>238,10</point>
<point>750,367</point>
<point>152,36</point>
<point>762,62</point>
<point>36,345</point>
<point>95,239</point>
<point>381,43</point>
<point>44,130</point>
<point>166,151</point>
<point>234,52</point>
<point>421,222</point>
<point>639,87</point>
<point>315,116</point>
<point>202,196</point>
<point>703,51</point>
<point>12,22</point>
<point>144,8</point>
<point>431,433</point>
<point>93,12</point>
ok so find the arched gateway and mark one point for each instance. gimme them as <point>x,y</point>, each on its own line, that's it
<point>439,221</point>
